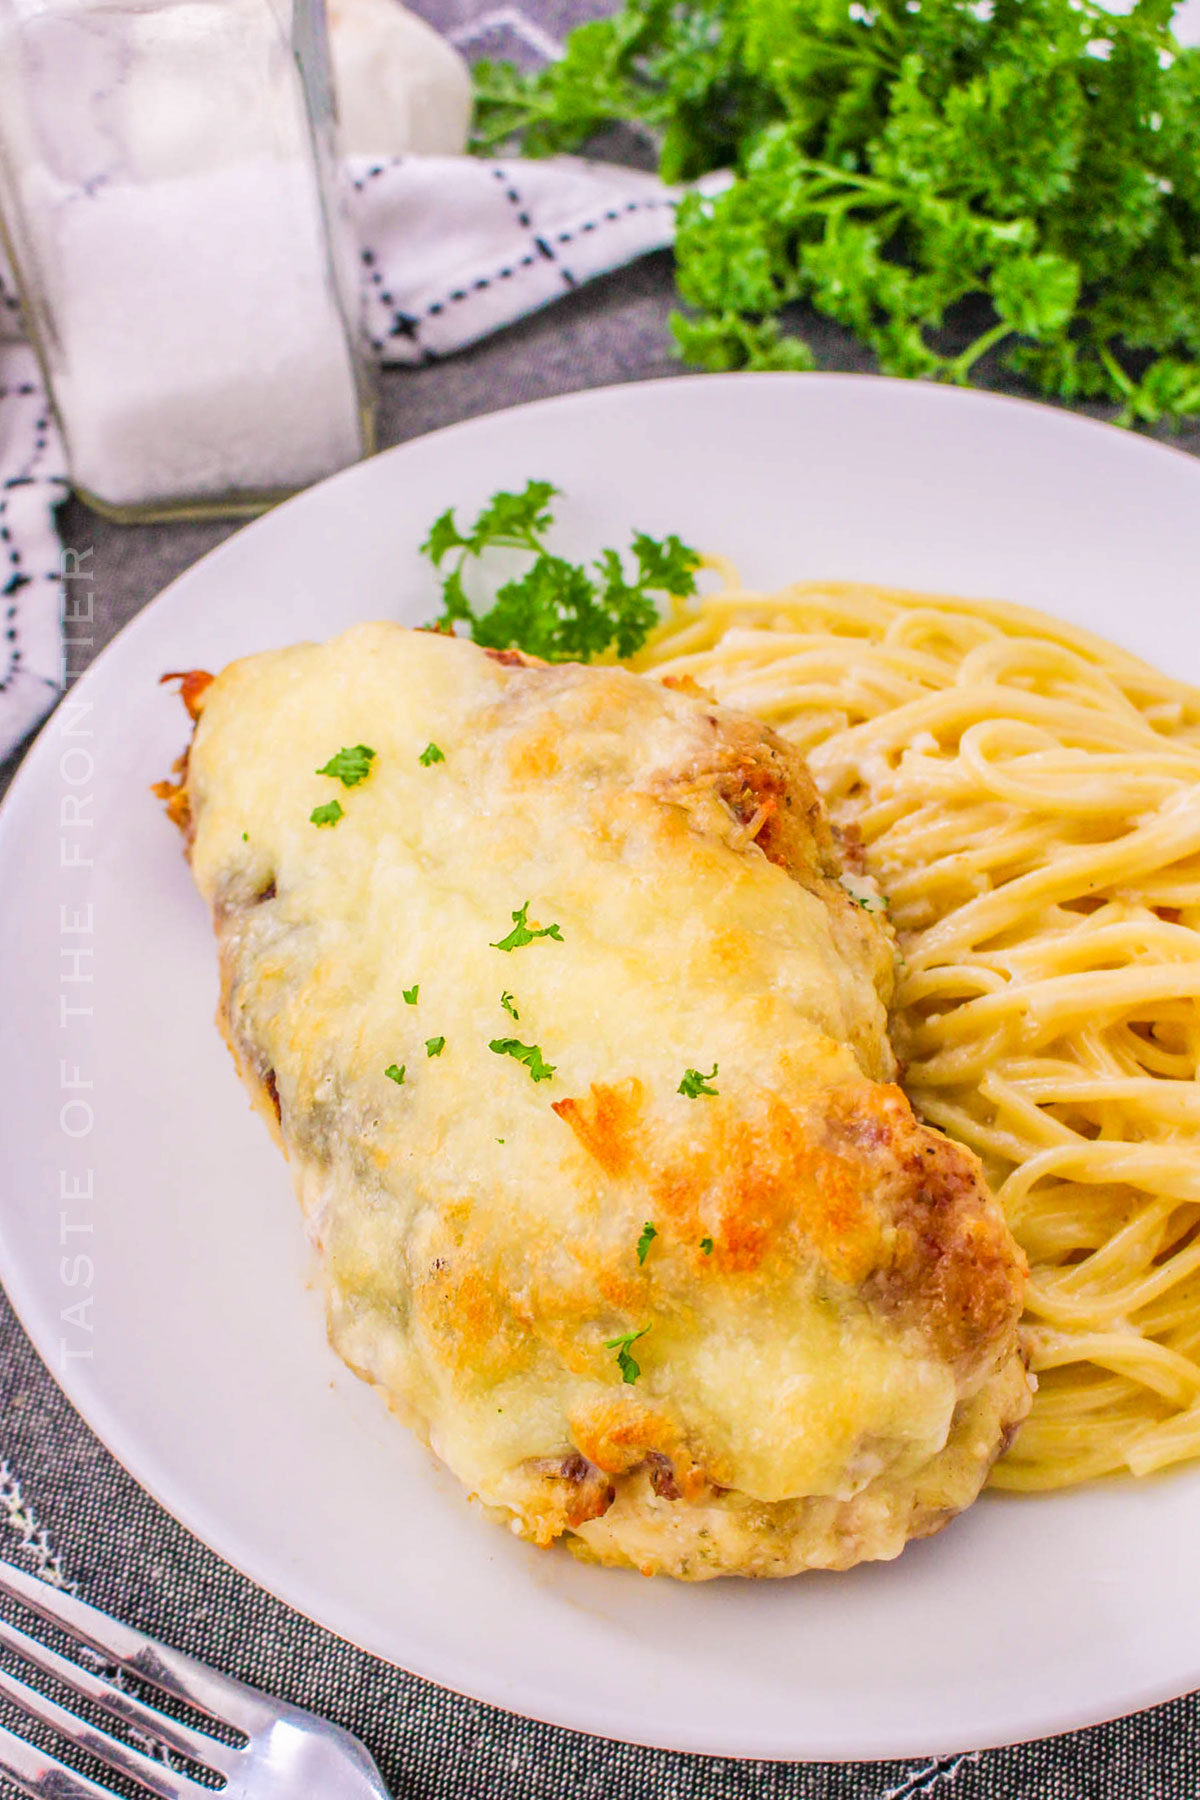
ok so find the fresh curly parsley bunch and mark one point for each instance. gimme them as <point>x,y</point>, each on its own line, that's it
<point>555,609</point>
<point>896,161</point>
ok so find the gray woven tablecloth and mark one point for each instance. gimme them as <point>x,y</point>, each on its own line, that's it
<point>63,1499</point>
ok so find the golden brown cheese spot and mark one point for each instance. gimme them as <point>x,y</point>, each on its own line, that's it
<point>621,1434</point>
<point>606,1122</point>
<point>533,756</point>
<point>687,684</point>
<point>750,1183</point>
<point>461,1303</point>
<point>846,1175</point>
<point>616,1434</point>
<point>758,1184</point>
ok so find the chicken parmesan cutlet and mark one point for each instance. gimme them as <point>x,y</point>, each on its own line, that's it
<point>549,982</point>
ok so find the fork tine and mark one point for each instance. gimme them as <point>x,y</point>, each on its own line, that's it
<point>154,1777</point>
<point>220,1696</point>
<point>81,1681</point>
<point>42,1776</point>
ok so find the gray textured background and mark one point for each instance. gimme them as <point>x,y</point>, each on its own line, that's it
<point>63,1497</point>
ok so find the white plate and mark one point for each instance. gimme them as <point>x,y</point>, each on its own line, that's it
<point>198,1354</point>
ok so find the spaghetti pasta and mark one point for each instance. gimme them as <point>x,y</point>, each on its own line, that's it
<point>1028,798</point>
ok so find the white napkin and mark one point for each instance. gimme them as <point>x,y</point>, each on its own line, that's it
<point>33,482</point>
<point>452,248</point>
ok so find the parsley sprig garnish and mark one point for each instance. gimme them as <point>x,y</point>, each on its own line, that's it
<point>529,1054</point>
<point>329,814</point>
<point>649,1233</point>
<point>350,765</point>
<point>395,1072</point>
<point>629,1366</point>
<point>946,179</point>
<point>556,609</point>
<point>694,1083</point>
<point>412,994</point>
<point>506,1001</point>
<point>522,934</point>
<point>434,1046</point>
<point>430,755</point>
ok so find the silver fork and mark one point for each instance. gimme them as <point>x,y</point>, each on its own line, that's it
<point>288,1754</point>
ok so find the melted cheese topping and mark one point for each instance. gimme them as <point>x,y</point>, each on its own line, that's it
<point>480,1245</point>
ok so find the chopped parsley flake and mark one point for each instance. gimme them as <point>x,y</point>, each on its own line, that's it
<point>863,891</point>
<point>431,754</point>
<point>434,1046</point>
<point>245,837</point>
<point>694,1083</point>
<point>629,1366</point>
<point>522,934</point>
<point>649,1233</point>
<point>529,1054</point>
<point>329,814</point>
<point>506,1001</point>
<point>350,766</point>
<point>706,1246</point>
<point>410,994</point>
<point>395,1073</point>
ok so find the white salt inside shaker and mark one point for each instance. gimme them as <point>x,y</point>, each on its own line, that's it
<point>171,221</point>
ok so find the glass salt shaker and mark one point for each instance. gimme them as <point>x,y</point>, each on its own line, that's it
<point>170,199</point>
